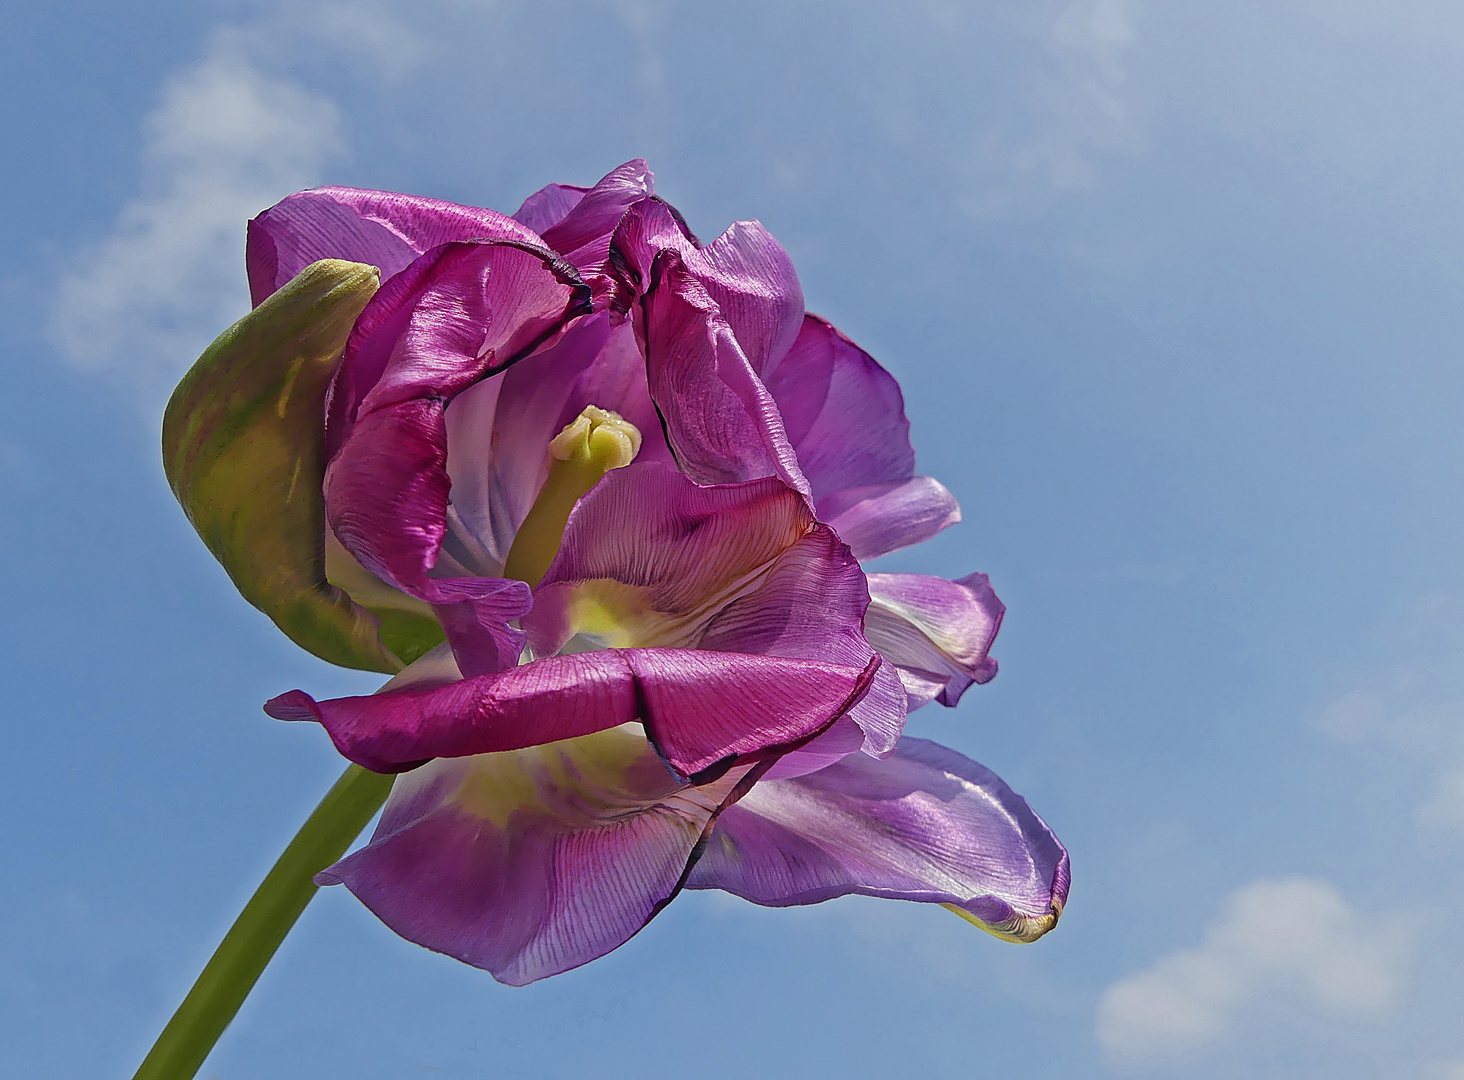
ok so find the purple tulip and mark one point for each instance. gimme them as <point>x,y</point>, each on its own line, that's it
<point>597,492</point>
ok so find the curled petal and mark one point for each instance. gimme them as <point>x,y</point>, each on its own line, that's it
<point>459,313</point>
<point>700,709</point>
<point>881,518</point>
<point>926,824</point>
<point>583,235</point>
<point>533,862</point>
<point>648,556</point>
<point>844,413</point>
<point>379,228</point>
<point>455,315</point>
<point>721,423</point>
<point>811,604</point>
<point>244,452</point>
<point>745,272</point>
<point>938,633</point>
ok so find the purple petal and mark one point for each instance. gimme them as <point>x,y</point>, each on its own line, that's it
<point>699,708</point>
<point>720,421</point>
<point>811,605</point>
<point>583,235</point>
<point>745,271</point>
<point>549,206</point>
<point>926,824</point>
<point>380,228</point>
<point>454,315</point>
<point>647,552</point>
<point>937,632</point>
<point>653,548</point>
<point>475,614</point>
<point>881,518</point>
<point>843,412</point>
<point>530,863</point>
<point>435,329</point>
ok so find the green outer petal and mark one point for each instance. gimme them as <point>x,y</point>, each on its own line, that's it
<point>244,451</point>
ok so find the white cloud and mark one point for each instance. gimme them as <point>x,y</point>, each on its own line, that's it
<point>225,141</point>
<point>1290,937</point>
<point>1415,709</point>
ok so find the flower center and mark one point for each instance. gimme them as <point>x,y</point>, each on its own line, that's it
<point>595,442</point>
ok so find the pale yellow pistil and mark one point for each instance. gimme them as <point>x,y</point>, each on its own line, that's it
<point>595,442</point>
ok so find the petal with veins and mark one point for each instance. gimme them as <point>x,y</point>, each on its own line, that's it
<point>926,824</point>
<point>937,632</point>
<point>701,709</point>
<point>532,862</point>
<point>379,228</point>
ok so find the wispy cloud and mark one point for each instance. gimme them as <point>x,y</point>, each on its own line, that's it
<point>1296,937</point>
<point>225,141</point>
<point>1415,708</point>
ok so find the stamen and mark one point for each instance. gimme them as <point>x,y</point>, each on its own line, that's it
<point>595,442</point>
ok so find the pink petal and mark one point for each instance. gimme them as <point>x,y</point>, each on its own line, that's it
<point>454,315</point>
<point>699,708</point>
<point>380,228</point>
<point>583,235</point>
<point>533,862</point>
<point>549,205</point>
<point>677,545</point>
<point>745,271</point>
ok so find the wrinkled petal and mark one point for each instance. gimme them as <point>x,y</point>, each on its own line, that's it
<point>937,632</point>
<point>379,228</point>
<point>244,452</point>
<point>533,862</point>
<point>651,559</point>
<point>700,709</point>
<point>926,824</point>
<point>460,312</point>
<point>720,421</point>
<point>583,235</point>
<point>648,556</point>
<point>881,518</point>
<point>810,605</point>
<point>454,315</point>
<point>499,430</point>
<point>843,413</point>
<point>438,327</point>
<point>745,271</point>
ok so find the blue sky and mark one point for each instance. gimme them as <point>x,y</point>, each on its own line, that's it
<point>1174,295</point>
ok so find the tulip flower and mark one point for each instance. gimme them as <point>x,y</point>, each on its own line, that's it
<point>596,495</point>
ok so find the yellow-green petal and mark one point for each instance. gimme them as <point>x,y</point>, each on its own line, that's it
<point>244,452</point>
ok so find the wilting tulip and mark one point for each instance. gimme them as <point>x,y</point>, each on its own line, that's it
<point>597,493</point>
<point>707,350</point>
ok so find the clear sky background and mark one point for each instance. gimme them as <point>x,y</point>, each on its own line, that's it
<point>1174,292</point>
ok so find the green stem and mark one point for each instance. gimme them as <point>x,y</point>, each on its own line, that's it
<point>250,943</point>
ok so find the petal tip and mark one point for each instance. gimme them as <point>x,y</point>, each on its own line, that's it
<point>292,705</point>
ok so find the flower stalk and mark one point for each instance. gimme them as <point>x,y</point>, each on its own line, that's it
<point>260,928</point>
